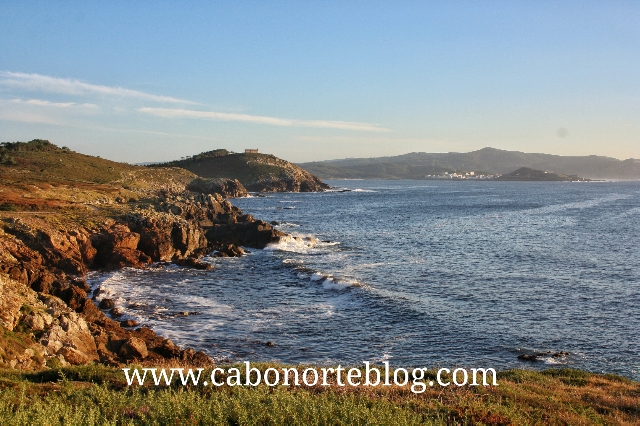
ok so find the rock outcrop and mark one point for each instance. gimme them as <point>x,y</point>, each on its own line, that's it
<point>65,213</point>
<point>228,188</point>
<point>42,291</point>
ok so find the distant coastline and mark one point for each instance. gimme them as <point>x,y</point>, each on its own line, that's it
<point>488,162</point>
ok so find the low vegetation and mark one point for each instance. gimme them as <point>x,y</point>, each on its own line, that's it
<point>40,176</point>
<point>256,172</point>
<point>99,395</point>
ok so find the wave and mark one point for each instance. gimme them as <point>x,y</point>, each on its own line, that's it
<point>329,282</point>
<point>291,243</point>
<point>287,225</point>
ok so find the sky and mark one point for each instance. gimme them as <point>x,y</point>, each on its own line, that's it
<point>154,81</point>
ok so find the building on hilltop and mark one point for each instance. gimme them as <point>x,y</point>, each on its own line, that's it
<point>251,151</point>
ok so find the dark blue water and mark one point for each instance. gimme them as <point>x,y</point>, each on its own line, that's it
<point>418,273</point>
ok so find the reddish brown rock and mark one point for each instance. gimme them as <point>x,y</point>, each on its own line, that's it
<point>74,297</point>
<point>133,348</point>
<point>123,258</point>
<point>107,304</point>
<point>229,250</point>
<point>73,356</point>
<point>194,263</point>
<point>255,234</point>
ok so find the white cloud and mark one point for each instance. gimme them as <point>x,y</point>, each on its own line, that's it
<point>273,121</point>
<point>45,103</point>
<point>48,84</point>
<point>45,83</point>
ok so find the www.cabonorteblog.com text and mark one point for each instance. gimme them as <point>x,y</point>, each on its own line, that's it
<point>418,378</point>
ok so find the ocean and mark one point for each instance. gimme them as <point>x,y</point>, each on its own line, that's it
<point>417,273</point>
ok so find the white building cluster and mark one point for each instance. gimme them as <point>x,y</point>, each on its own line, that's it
<point>460,175</point>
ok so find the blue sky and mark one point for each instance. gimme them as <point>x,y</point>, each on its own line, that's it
<point>152,81</point>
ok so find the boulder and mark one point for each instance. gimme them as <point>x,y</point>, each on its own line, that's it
<point>116,312</point>
<point>194,263</point>
<point>73,356</point>
<point>133,348</point>
<point>73,332</point>
<point>74,297</point>
<point>255,234</point>
<point>107,304</point>
<point>123,258</point>
<point>38,321</point>
<point>229,250</point>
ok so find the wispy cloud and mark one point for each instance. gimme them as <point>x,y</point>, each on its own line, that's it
<point>45,103</point>
<point>273,121</point>
<point>45,83</point>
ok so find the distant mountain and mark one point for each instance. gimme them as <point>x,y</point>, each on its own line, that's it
<point>256,172</point>
<point>487,160</point>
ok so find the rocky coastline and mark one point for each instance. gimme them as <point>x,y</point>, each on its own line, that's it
<point>47,313</point>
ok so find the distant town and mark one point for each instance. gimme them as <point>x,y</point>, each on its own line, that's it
<point>522,174</point>
<point>461,175</point>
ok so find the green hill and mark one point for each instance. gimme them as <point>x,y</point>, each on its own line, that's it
<point>39,175</point>
<point>256,172</point>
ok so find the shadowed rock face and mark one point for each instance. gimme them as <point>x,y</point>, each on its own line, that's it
<point>228,188</point>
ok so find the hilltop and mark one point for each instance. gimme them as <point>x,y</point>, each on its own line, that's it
<point>485,161</point>
<point>256,172</point>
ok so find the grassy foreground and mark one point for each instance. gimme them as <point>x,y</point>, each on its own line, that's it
<point>98,395</point>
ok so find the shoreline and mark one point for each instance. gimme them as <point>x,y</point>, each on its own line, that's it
<point>45,261</point>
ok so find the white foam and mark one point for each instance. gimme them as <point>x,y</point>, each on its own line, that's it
<point>363,190</point>
<point>331,284</point>
<point>328,243</point>
<point>552,361</point>
<point>291,243</point>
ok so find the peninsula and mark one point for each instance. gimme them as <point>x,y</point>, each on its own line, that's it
<point>256,172</point>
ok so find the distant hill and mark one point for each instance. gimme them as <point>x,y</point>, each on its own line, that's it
<point>487,160</point>
<point>256,172</point>
<point>527,174</point>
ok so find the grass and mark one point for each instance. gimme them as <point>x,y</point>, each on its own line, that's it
<point>98,395</point>
<point>39,176</point>
<point>247,168</point>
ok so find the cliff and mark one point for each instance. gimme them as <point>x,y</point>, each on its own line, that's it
<point>65,214</point>
<point>256,172</point>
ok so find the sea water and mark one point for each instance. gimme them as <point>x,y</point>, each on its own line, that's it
<point>417,273</point>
